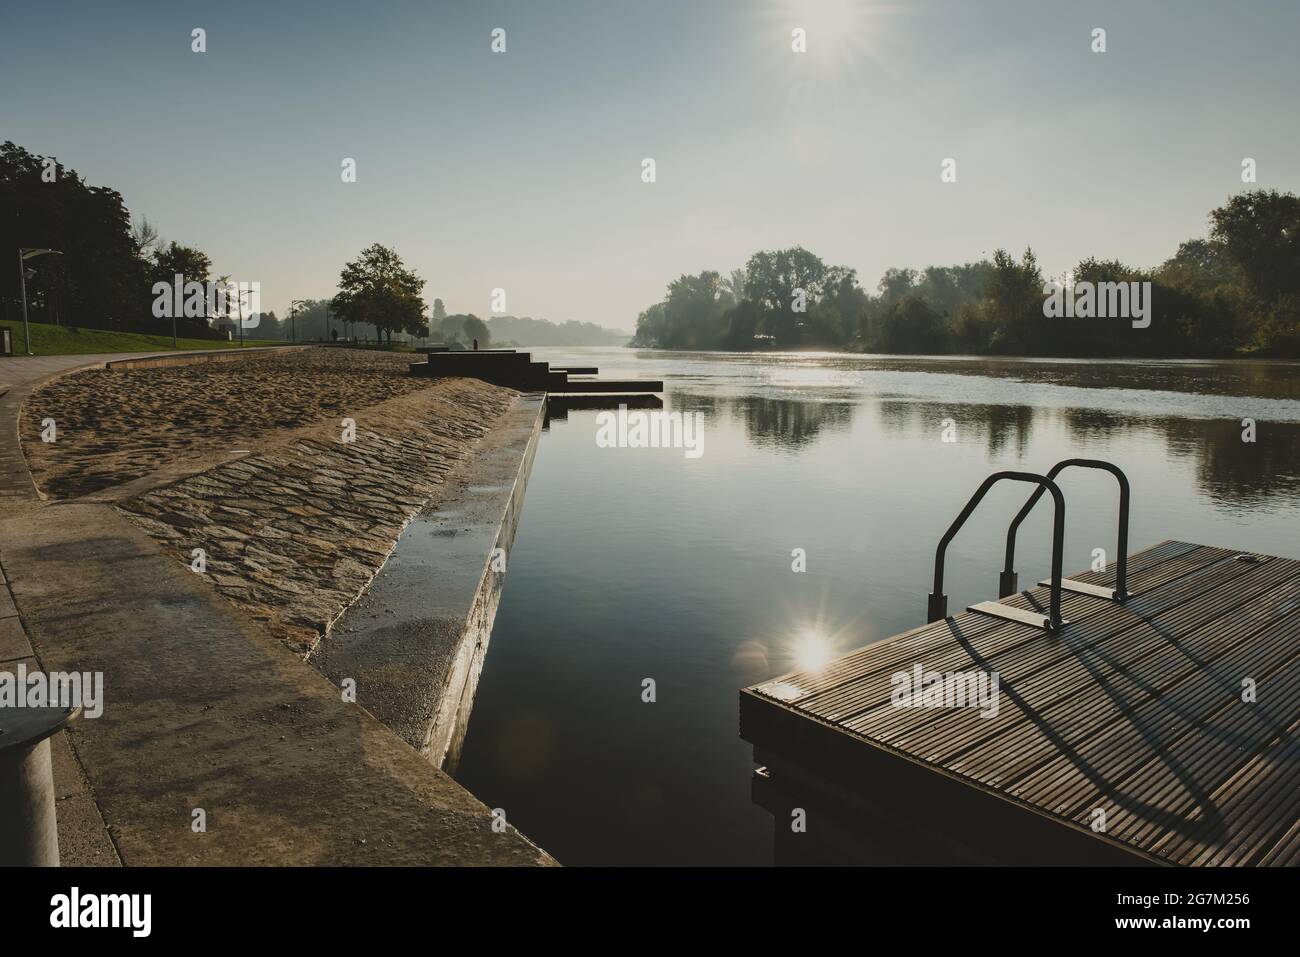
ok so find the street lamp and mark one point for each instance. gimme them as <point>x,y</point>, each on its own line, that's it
<point>25,254</point>
<point>293,328</point>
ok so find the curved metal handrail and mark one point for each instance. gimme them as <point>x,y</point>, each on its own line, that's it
<point>937,607</point>
<point>1007,580</point>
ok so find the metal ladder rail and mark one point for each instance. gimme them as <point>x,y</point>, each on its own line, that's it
<point>937,607</point>
<point>1008,579</point>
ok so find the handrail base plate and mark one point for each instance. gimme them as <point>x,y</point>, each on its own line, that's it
<point>1018,615</point>
<point>1083,588</point>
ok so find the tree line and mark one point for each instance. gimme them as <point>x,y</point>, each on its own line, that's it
<point>1235,292</point>
<point>109,265</point>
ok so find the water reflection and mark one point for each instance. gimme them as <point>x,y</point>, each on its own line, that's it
<point>770,421</point>
<point>1236,473</point>
<point>789,423</point>
<point>641,563</point>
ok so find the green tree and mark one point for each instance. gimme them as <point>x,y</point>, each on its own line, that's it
<point>101,280</point>
<point>772,280</point>
<point>693,311</point>
<point>1261,231</point>
<point>476,328</point>
<point>377,288</point>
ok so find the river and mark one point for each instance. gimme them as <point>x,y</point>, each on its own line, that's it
<point>637,563</point>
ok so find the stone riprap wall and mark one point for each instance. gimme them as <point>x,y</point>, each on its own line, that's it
<point>293,531</point>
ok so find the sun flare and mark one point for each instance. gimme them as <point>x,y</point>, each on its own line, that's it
<point>812,651</point>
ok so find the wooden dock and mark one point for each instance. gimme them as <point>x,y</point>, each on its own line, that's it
<point>1128,735</point>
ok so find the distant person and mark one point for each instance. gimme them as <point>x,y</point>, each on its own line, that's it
<point>476,345</point>
<point>334,335</point>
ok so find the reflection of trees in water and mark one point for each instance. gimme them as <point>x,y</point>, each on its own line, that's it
<point>1274,380</point>
<point>996,425</point>
<point>707,405</point>
<point>1233,472</point>
<point>789,423</point>
<point>1228,470</point>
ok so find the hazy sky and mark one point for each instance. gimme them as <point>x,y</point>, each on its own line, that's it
<point>522,170</point>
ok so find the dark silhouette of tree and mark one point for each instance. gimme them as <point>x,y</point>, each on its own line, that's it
<point>377,288</point>
<point>100,280</point>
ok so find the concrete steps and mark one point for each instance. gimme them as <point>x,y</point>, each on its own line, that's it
<point>517,370</point>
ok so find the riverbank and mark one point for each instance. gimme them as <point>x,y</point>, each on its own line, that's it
<point>210,706</point>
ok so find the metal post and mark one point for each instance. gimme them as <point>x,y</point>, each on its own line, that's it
<point>22,279</point>
<point>29,833</point>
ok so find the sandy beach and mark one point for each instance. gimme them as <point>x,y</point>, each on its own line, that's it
<point>291,519</point>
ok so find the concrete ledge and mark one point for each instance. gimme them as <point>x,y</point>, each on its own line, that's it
<point>414,643</point>
<point>203,710</point>
<point>180,358</point>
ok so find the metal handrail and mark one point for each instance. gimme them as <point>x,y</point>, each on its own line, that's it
<point>937,607</point>
<point>1007,580</point>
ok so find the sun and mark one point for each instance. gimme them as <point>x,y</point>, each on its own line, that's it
<point>833,37</point>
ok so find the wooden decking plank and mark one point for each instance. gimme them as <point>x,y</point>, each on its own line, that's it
<point>881,720</point>
<point>1167,719</point>
<point>1089,689</point>
<point>1211,764</point>
<point>846,698</point>
<point>867,659</point>
<point>1233,766</point>
<point>1133,708</point>
<point>1257,816</point>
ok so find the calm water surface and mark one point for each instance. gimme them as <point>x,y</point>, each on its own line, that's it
<point>641,563</point>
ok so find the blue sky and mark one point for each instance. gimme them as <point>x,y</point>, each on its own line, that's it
<point>522,170</point>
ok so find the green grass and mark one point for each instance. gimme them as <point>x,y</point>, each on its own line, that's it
<point>50,340</point>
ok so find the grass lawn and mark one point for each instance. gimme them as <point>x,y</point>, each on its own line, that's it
<point>50,340</point>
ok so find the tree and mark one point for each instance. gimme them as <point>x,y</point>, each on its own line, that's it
<point>911,326</point>
<point>190,263</point>
<point>439,312</point>
<point>476,328</point>
<point>773,277</point>
<point>378,288</point>
<point>693,311</point>
<point>452,328</point>
<point>736,284</point>
<point>1261,231</point>
<point>100,281</point>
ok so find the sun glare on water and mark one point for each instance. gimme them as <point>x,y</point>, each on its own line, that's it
<point>812,651</point>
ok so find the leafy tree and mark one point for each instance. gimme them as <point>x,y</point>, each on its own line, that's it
<point>377,288</point>
<point>476,328</point>
<point>1261,230</point>
<point>773,277</point>
<point>651,328</point>
<point>693,312</point>
<point>911,325</point>
<point>100,281</point>
<point>452,328</point>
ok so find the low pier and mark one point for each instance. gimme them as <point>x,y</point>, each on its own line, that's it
<point>1160,730</point>
<point>518,370</point>
<point>1148,714</point>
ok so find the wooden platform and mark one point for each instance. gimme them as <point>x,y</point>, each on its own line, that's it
<point>1135,710</point>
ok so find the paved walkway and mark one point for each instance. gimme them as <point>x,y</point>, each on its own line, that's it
<point>203,710</point>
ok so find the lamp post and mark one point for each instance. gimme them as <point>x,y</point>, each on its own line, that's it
<point>293,328</point>
<point>25,254</point>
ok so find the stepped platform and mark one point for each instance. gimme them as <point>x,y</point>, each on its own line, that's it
<point>518,370</point>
